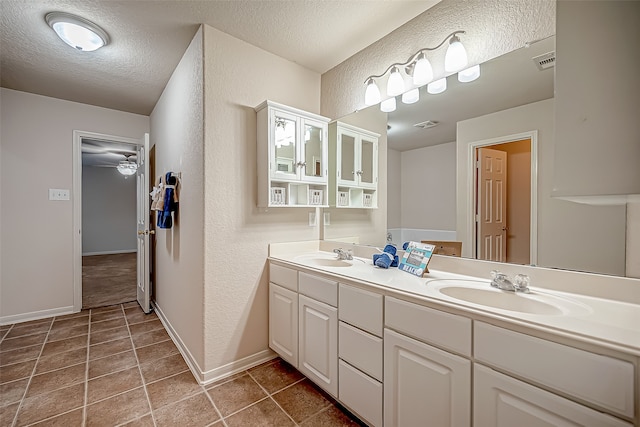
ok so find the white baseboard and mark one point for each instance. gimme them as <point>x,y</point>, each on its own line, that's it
<point>35,315</point>
<point>215,374</point>
<point>122,251</point>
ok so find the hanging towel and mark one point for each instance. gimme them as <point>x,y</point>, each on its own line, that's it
<point>157,195</point>
<point>170,202</point>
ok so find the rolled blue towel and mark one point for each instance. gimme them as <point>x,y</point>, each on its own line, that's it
<point>387,258</point>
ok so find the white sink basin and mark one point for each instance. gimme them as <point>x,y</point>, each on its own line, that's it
<point>482,294</point>
<point>322,260</point>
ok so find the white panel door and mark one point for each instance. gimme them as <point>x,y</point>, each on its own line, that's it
<point>142,215</point>
<point>502,401</point>
<point>283,323</point>
<point>492,205</point>
<point>423,385</point>
<point>318,343</point>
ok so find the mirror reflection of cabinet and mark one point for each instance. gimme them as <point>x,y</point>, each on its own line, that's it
<point>292,156</point>
<point>353,166</point>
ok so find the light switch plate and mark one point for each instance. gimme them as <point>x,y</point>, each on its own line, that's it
<point>58,194</point>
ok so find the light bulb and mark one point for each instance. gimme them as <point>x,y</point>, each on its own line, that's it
<point>388,105</point>
<point>411,96</point>
<point>456,57</point>
<point>469,74</point>
<point>422,71</point>
<point>438,86</point>
<point>372,94</point>
<point>395,85</point>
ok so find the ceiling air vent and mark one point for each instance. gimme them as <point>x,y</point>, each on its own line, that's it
<point>426,125</point>
<point>546,60</point>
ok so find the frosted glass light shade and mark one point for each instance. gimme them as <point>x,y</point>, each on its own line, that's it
<point>456,57</point>
<point>395,84</point>
<point>372,93</point>
<point>388,105</point>
<point>470,74</point>
<point>437,87</point>
<point>411,96</point>
<point>77,32</point>
<point>127,168</point>
<point>422,71</point>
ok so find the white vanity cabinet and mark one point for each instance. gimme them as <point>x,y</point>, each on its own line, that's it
<point>283,312</point>
<point>423,384</point>
<point>292,156</point>
<point>318,331</point>
<point>353,160</point>
<point>360,351</point>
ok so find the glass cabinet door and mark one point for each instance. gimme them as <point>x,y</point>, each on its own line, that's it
<point>368,163</point>
<point>314,151</point>
<point>285,143</point>
<point>348,172</point>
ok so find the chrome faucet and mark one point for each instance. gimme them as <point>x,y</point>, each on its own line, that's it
<point>519,283</point>
<point>342,254</point>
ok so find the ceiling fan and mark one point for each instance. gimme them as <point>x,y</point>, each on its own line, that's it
<point>127,167</point>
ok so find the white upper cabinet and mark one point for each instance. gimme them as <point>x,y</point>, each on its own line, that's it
<point>353,173</point>
<point>292,156</point>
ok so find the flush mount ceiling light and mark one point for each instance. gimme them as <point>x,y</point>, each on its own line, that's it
<point>77,32</point>
<point>419,72</point>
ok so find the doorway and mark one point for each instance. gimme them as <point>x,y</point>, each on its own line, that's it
<point>105,217</point>
<point>511,219</point>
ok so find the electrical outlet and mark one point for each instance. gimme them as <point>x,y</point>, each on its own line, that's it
<point>312,219</point>
<point>58,194</point>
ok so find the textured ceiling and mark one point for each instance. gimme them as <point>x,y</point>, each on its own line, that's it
<point>148,39</point>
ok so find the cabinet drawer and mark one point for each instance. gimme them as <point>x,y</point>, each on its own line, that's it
<point>499,400</point>
<point>319,289</point>
<point>283,276</point>
<point>601,380</point>
<point>361,308</point>
<point>360,393</point>
<point>362,350</point>
<point>433,326</point>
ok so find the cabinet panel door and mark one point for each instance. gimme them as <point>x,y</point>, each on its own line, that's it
<point>285,146</point>
<point>314,151</point>
<point>283,323</point>
<point>348,164</point>
<point>361,394</point>
<point>502,401</point>
<point>318,343</point>
<point>424,386</point>
<point>368,162</point>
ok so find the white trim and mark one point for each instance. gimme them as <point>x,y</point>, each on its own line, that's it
<point>76,197</point>
<point>471,189</point>
<point>122,251</point>
<point>215,374</point>
<point>35,315</point>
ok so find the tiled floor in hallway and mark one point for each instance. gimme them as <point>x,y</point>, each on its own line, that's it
<point>117,366</point>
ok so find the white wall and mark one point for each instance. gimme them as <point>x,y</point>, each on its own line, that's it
<point>238,77</point>
<point>562,240</point>
<point>108,211</point>
<point>177,130</point>
<point>429,187</point>
<point>37,234</point>
<point>394,189</point>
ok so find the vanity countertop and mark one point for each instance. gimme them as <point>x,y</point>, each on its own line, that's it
<point>603,322</point>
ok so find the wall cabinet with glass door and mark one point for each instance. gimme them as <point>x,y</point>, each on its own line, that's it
<point>353,166</point>
<point>292,157</point>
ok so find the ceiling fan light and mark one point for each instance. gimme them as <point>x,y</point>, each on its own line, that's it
<point>127,168</point>
<point>395,84</point>
<point>422,71</point>
<point>77,32</point>
<point>388,105</point>
<point>456,57</point>
<point>411,96</point>
<point>438,86</point>
<point>469,74</point>
<point>372,93</point>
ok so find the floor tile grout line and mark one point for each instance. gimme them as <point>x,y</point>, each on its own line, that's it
<point>221,418</point>
<point>270,395</point>
<point>86,373</point>
<point>24,394</point>
<point>135,354</point>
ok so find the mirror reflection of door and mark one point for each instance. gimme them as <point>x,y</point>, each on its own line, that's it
<point>503,202</point>
<point>366,169</point>
<point>312,150</point>
<point>347,158</point>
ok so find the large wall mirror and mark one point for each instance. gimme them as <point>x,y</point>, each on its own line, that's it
<point>432,189</point>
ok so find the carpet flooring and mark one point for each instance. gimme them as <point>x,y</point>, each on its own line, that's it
<point>108,279</point>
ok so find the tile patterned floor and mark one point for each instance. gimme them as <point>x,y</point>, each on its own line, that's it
<point>116,366</point>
